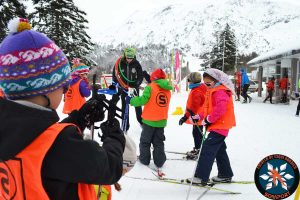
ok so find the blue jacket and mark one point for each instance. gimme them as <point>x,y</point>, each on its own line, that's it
<point>245,79</point>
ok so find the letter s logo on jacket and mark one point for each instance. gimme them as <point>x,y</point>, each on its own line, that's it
<point>161,99</point>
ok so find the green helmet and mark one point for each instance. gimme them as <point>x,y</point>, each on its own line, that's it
<point>129,52</point>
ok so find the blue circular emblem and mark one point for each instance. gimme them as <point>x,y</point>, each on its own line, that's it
<point>277,176</point>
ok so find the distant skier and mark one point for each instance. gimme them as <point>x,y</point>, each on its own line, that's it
<point>245,86</point>
<point>128,73</point>
<point>298,107</point>
<point>195,106</point>
<point>270,88</point>
<point>156,98</point>
<point>218,117</point>
<point>79,88</point>
<point>237,83</point>
<point>283,85</point>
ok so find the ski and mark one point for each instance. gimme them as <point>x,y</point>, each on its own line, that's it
<point>175,152</point>
<point>164,180</point>
<point>184,158</point>
<point>214,183</point>
<point>157,172</point>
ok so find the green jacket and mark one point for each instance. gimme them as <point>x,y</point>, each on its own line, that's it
<point>142,100</point>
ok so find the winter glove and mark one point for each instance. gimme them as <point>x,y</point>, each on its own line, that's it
<point>194,118</point>
<point>205,122</point>
<point>92,111</point>
<point>109,128</point>
<point>182,120</point>
<point>112,87</point>
<point>132,92</point>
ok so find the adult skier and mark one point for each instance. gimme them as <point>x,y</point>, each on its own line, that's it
<point>128,74</point>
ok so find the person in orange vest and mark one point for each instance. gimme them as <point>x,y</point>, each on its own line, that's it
<point>218,118</point>
<point>42,158</point>
<point>194,106</point>
<point>156,99</point>
<point>79,88</point>
<point>238,82</point>
<point>270,88</point>
<point>283,85</point>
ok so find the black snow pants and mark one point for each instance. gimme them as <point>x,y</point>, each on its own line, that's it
<point>155,136</point>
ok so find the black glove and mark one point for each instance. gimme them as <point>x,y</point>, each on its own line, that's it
<point>92,111</point>
<point>206,123</point>
<point>112,87</point>
<point>182,120</point>
<point>110,127</point>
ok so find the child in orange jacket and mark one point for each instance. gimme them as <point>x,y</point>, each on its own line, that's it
<point>79,88</point>
<point>195,107</point>
<point>218,117</point>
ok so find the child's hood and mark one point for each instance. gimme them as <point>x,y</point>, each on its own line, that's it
<point>164,84</point>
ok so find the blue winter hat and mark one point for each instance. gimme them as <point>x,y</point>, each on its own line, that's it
<point>30,63</point>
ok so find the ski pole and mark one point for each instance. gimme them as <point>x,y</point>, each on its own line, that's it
<point>94,93</point>
<point>195,168</point>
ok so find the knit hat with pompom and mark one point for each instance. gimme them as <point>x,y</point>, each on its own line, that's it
<point>30,63</point>
<point>79,67</point>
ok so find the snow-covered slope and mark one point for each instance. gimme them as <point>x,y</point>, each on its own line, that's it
<point>260,25</point>
<point>262,129</point>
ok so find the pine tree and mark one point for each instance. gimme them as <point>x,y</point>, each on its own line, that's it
<point>9,9</point>
<point>65,24</point>
<point>216,54</point>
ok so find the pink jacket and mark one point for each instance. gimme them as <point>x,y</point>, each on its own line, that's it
<point>220,100</point>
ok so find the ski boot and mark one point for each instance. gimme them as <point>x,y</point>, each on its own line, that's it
<point>218,179</point>
<point>193,152</point>
<point>197,181</point>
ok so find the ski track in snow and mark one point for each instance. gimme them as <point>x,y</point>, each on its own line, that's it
<point>262,129</point>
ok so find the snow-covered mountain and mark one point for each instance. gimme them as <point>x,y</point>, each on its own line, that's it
<point>259,25</point>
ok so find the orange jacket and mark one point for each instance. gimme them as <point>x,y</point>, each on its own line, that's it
<point>24,171</point>
<point>238,79</point>
<point>270,85</point>
<point>73,99</point>
<point>1,93</point>
<point>158,105</point>
<point>226,121</point>
<point>195,101</point>
<point>283,83</point>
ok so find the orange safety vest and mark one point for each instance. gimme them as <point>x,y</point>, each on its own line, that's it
<point>73,99</point>
<point>226,121</point>
<point>158,105</point>
<point>21,175</point>
<point>196,109</point>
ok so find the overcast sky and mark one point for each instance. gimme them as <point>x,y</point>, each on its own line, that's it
<point>102,14</point>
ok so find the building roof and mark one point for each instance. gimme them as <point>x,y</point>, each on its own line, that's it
<point>290,50</point>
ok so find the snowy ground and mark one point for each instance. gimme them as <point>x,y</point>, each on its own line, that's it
<point>262,129</point>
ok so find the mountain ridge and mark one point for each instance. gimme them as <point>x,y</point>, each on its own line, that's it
<point>259,26</point>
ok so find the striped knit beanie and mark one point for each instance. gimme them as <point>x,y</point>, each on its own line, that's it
<point>79,67</point>
<point>30,63</point>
